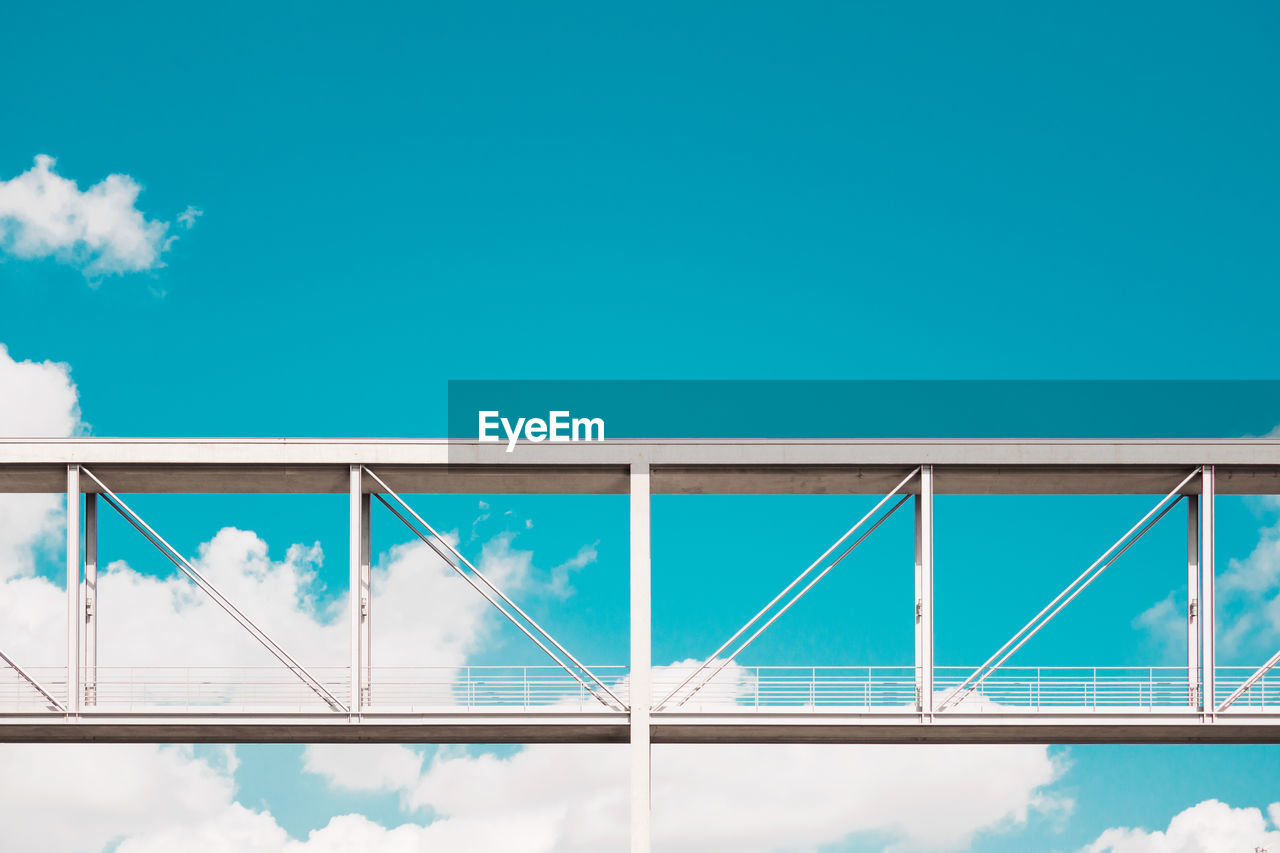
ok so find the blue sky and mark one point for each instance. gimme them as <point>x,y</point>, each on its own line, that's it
<point>396,196</point>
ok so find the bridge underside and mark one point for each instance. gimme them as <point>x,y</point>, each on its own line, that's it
<point>527,728</point>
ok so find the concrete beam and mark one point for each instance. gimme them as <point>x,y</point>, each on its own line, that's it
<point>316,466</point>
<point>747,728</point>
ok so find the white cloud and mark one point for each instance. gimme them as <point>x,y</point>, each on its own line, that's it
<point>189,216</point>
<point>741,798</point>
<point>1248,592</point>
<point>1251,587</point>
<point>42,399</point>
<point>370,768</point>
<point>744,798</point>
<point>43,403</point>
<point>542,799</point>
<point>99,230</point>
<point>1209,827</point>
<point>1165,624</point>
<point>59,797</point>
<point>561,574</point>
<point>149,620</point>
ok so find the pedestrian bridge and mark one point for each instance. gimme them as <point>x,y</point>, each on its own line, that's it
<point>566,700</point>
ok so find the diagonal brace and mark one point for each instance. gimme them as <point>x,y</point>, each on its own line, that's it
<point>221,600</point>
<point>726,661</point>
<point>1248,683</point>
<point>435,540</point>
<point>27,677</point>
<point>1077,586</point>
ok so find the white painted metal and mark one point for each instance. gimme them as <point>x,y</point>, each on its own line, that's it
<point>1193,601</point>
<point>366,602</point>
<point>184,565</point>
<point>125,690</point>
<point>875,690</point>
<point>435,542</point>
<point>1249,682</point>
<point>31,680</point>
<point>641,659</point>
<point>355,549</point>
<point>724,662</point>
<point>1000,452</point>
<point>526,704</point>
<point>73,589</point>
<point>1073,589</point>
<point>857,691</point>
<point>924,593</point>
<point>1208,656</point>
<point>90,599</point>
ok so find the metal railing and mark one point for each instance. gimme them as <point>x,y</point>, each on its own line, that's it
<point>736,688</point>
<point>277,690</point>
<point>1008,689</point>
<point>1072,688</point>
<point>490,687</point>
<point>789,688</point>
<point>1264,695</point>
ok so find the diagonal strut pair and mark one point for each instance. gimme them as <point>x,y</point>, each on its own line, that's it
<point>580,673</point>
<point>974,681</point>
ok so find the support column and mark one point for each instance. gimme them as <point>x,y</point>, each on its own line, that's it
<point>366,602</point>
<point>1193,601</point>
<point>1206,591</point>
<point>641,659</point>
<point>90,599</point>
<point>924,593</point>
<point>73,589</point>
<point>354,590</point>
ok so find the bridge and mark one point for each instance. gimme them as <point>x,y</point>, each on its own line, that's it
<point>567,700</point>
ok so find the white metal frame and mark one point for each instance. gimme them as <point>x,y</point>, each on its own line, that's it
<point>1067,595</point>
<point>184,566</point>
<point>487,589</point>
<point>924,594</point>
<point>717,664</point>
<point>813,705</point>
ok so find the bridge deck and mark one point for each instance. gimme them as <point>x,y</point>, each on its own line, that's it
<point>741,705</point>
<point>775,705</point>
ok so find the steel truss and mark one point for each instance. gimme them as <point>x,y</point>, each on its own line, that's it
<point>996,702</point>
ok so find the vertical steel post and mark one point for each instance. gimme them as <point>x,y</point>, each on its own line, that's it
<point>924,593</point>
<point>90,599</point>
<point>641,659</point>
<point>1193,601</point>
<point>366,602</point>
<point>356,552</point>
<point>1209,696</point>
<point>73,589</point>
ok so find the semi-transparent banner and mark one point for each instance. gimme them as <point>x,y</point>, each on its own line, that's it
<point>514,412</point>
